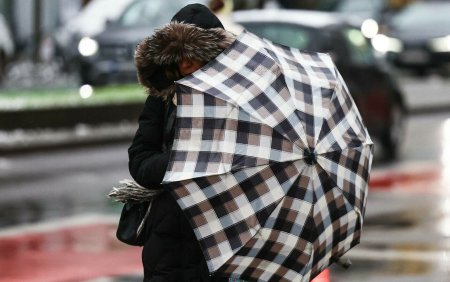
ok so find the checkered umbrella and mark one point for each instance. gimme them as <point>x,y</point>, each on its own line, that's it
<point>270,161</point>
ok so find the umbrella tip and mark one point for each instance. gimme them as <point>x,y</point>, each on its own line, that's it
<point>310,157</point>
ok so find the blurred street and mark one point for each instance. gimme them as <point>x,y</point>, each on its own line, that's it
<point>57,224</point>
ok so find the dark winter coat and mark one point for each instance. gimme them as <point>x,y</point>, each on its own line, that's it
<point>171,252</point>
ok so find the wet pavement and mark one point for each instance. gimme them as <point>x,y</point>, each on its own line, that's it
<point>73,250</point>
<point>406,233</point>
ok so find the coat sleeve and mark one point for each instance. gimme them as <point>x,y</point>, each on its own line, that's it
<point>147,162</point>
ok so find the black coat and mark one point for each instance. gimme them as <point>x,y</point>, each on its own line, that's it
<point>171,252</point>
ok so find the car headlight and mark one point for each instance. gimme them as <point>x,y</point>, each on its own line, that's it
<point>87,46</point>
<point>441,44</point>
<point>383,44</point>
<point>369,28</point>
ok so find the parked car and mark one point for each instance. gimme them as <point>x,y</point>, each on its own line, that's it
<point>90,21</point>
<point>6,45</point>
<point>418,37</point>
<point>108,57</point>
<point>377,95</point>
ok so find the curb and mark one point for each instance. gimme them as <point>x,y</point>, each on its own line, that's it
<point>32,130</point>
<point>426,110</point>
<point>25,141</point>
<point>65,117</point>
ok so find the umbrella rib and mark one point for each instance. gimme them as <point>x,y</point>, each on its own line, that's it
<point>363,144</point>
<point>332,179</point>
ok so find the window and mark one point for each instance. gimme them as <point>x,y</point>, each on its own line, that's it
<point>284,34</point>
<point>150,12</point>
<point>433,14</point>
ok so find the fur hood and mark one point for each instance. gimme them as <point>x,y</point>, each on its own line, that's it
<point>162,52</point>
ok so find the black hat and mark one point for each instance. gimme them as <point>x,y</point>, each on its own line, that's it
<point>198,15</point>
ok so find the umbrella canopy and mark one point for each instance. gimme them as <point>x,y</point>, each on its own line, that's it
<point>270,161</point>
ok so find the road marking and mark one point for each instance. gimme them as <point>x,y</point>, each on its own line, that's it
<point>405,177</point>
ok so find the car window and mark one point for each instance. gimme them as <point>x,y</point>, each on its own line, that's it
<point>360,50</point>
<point>363,8</point>
<point>352,6</point>
<point>154,13</point>
<point>91,20</point>
<point>284,34</point>
<point>102,9</point>
<point>432,14</point>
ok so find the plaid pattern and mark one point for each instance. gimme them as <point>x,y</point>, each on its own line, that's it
<point>270,161</point>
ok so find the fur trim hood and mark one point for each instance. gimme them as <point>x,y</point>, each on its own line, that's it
<point>162,52</point>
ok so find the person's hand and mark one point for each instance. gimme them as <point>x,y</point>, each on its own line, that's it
<point>174,99</point>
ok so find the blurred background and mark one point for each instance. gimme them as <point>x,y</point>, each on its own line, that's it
<point>69,103</point>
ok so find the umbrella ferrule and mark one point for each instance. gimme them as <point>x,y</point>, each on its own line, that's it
<point>310,157</point>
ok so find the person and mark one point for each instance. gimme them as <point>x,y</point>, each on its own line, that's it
<point>192,38</point>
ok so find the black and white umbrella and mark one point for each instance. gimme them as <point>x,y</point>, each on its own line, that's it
<point>270,162</point>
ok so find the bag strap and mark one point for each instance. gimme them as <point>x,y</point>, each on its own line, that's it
<point>141,225</point>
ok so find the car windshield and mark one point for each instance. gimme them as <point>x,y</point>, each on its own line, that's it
<point>91,20</point>
<point>150,12</point>
<point>284,34</point>
<point>423,15</point>
<point>360,50</point>
<point>102,9</point>
<point>360,6</point>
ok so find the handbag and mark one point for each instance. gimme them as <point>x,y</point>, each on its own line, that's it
<point>131,223</point>
<point>135,211</point>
